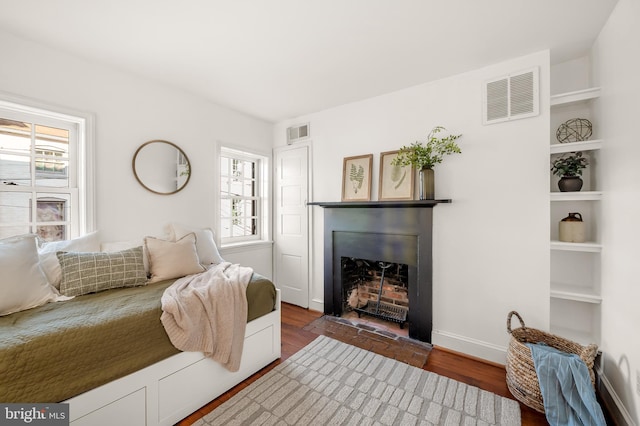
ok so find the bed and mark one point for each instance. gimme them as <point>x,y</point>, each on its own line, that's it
<point>108,356</point>
<point>106,351</point>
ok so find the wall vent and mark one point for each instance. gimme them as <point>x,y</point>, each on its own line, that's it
<point>511,97</point>
<point>297,133</point>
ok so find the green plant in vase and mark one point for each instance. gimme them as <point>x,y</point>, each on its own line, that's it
<point>424,156</point>
<point>569,169</point>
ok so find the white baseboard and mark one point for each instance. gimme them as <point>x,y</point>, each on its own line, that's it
<point>469,346</point>
<point>613,402</point>
<point>316,305</point>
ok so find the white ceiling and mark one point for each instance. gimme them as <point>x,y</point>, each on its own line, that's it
<point>277,59</point>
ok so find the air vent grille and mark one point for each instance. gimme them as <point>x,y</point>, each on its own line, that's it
<point>497,99</point>
<point>511,97</point>
<point>296,133</point>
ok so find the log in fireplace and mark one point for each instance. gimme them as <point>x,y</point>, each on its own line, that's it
<point>390,232</point>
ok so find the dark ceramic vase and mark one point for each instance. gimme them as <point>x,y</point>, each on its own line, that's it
<point>570,183</point>
<point>427,184</point>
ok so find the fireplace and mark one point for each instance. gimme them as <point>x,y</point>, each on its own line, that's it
<point>397,233</point>
<point>375,288</point>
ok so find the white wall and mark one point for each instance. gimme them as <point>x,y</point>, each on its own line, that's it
<point>130,111</point>
<point>491,245</point>
<point>616,68</point>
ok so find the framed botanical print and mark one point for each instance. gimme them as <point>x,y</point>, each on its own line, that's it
<point>356,178</point>
<point>396,182</point>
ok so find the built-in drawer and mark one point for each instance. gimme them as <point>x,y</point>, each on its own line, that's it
<point>129,410</point>
<point>206,379</point>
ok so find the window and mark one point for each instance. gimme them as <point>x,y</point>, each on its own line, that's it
<point>242,196</point>
<point>42,179</point>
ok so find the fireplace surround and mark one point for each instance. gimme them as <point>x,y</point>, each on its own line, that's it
<point>398,232</point>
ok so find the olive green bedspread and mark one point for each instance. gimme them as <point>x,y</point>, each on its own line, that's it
<point>62,349</point>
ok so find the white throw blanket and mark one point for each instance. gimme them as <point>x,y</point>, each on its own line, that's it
<point>207,312</point>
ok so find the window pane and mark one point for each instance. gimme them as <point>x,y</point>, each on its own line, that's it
<point>236,187</point>
<point>240,229</point>
<point>52,232</point>
<point>225,228</point>
<point>15,207</point>
<point>52,172</point>
<point>52,141</point>
<point>52,207</point>
<point>224,185</point>
<point>247,207</point>
<point>237,211</point>
<point>15,170</point>
<point>225,208</point>
<point>248,171</point>
<point>248,190</point>
<point>15,136</point>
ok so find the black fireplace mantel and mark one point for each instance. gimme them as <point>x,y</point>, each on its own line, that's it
<point>394,231</point>
<point>377,204</point>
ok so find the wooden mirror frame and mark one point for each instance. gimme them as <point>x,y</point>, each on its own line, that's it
<point>179,151</point>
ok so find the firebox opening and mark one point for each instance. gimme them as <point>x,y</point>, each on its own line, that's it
<point>375,289</point>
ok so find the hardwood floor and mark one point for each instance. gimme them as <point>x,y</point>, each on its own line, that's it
<point>446,363</point>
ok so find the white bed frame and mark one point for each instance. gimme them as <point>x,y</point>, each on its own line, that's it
<point>172,389</point>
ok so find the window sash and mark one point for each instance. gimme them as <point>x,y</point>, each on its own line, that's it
<point>39,154</point>
<point>240,183</point>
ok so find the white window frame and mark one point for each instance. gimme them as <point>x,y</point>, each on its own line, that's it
<point>262,181</point>
<point>82,183</point>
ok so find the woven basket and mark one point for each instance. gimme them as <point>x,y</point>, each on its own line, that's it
<point>522,379</point>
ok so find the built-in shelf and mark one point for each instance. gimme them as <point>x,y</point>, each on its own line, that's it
<point>561,148</point>
<point>378,204</point>
<point>575,293</point>
<point>576,196</point>
<point>573,97</point>
<point>575,307</point>
<point>583,247</point>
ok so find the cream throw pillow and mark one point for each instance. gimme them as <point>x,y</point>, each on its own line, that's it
<point>23,285</point>
<point>168,259</point>
<point>205,242</point>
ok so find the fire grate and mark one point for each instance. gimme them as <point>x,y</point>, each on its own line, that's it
<point>385,311</point>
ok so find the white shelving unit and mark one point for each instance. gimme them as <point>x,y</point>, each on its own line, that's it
<point>575,267</point>
<point>574,97</point>
<point>576,196</point>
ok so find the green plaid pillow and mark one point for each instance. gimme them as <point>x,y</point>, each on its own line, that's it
<point>84,273</point>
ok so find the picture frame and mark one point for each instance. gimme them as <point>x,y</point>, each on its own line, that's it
<point>356,178</point>
<point>395,182</point>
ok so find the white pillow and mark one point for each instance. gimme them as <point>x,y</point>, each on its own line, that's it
<point>168,259</point>
<point>205,242</point>
<point>49,260</point>
<point>23,285</point>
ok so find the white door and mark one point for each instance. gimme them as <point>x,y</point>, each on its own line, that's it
<point>291,264</point>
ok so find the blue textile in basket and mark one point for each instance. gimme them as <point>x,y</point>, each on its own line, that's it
<point>567,392</point>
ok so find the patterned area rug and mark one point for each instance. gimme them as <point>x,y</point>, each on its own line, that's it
<point>329,382</point>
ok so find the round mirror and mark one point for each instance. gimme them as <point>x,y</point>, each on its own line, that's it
<point>161,167</point>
